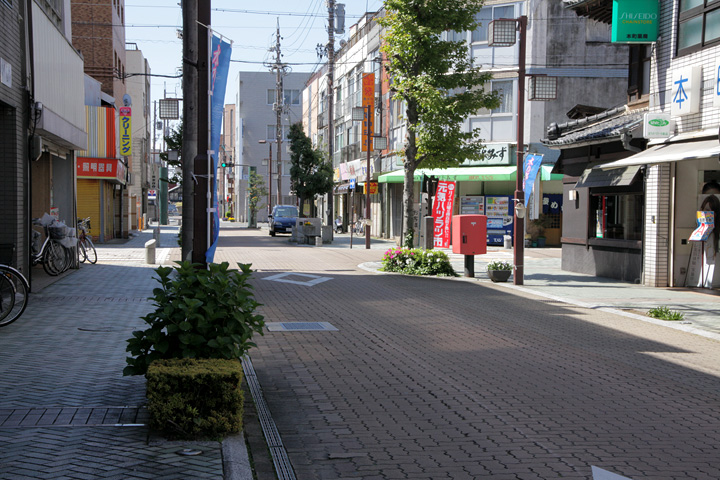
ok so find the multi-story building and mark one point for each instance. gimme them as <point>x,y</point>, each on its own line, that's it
<point>41,100</point>
<point>562,80</point>
<point>99,35</point>
<point>639,174</point>
<point>138,88</point>
<point>256,125</point>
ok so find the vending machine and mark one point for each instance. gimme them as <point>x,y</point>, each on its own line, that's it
<point>499,211</point>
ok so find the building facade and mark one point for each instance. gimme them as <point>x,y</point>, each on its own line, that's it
<point>638,189</point>
<point>256,127</point>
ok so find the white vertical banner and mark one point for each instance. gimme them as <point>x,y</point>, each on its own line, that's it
<point>716,85</point>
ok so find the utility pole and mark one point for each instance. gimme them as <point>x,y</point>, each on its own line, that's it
<point>278,107</point>
<point>331,98</point>
<point>201,232</point>
<point>189,146</point>
<point>519,225</point>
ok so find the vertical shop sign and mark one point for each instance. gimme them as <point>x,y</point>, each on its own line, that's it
<point>716,85</point>
<point>368,103</point>
<point>125,131</point>
<point>686,91</point>
<point>442,213</point>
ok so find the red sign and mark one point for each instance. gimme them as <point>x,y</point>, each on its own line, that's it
<point>368,103</point>
<point>442,213</point>
<point>101,168</point>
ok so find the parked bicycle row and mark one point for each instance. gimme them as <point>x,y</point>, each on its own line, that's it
<point>57,251</point>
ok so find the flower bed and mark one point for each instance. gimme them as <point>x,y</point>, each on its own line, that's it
<point>417,262</point>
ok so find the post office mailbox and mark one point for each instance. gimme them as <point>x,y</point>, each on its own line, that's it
<point>469,234</point>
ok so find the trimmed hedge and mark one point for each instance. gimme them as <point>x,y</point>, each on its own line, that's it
<point>415,261</point>
<point>195,398</point>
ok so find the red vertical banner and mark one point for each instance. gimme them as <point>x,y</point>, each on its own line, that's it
<point>442,213</point>
<point>368,100</point>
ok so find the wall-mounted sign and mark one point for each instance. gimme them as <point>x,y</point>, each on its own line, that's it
<point>101,169</point>
<point>658,125</point>
<point>494,154</point>
<point>125,131</point>
<point>686,93</point>
<point>368,100</point>
<point>716,85</point>
<point>5,73</point>
<point>635,21</point>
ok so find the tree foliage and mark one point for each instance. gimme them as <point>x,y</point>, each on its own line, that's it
<point>310,174</point>
<point>256,191</point>
<point>437,82</point>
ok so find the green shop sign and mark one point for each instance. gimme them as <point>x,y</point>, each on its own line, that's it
<point>635,21</point>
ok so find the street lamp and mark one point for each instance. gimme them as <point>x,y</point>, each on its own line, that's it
<point>502,33</point>
<point>364,114</point>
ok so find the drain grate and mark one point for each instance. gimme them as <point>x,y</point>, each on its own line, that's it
<point>300,327</point>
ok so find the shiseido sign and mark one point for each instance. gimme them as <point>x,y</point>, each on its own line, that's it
<point>635,21</point>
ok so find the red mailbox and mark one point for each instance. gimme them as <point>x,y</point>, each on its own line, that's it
<point>469,234</point>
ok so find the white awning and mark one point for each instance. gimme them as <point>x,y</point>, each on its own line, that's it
<point>668,152</point>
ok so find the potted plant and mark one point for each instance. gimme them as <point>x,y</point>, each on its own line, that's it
<point>499,271</point>
<point>536,228</point>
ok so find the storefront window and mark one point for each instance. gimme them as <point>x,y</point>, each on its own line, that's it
<point>617,217</point>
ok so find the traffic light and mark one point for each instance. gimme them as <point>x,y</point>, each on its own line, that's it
<point>223,164</point>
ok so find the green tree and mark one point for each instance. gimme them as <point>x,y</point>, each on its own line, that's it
<point>438,84</point>
<point>256,191</point>
<point>310,174</point>
<point>174,141</point>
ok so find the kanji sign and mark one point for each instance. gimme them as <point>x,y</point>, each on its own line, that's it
<point>686,91</point>
<point>635,21</point>
<point>125,131</point>
<point>442,213</point>
<point>101,168</point>
<point>368,103</point>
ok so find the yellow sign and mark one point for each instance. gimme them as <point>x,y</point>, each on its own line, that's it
<point>125,131</point>
<point>368,103</point>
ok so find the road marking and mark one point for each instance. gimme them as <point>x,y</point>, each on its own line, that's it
<point>312,279</point>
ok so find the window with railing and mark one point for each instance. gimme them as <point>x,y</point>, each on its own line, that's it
<point>485,16</point>
<point>698,25</point>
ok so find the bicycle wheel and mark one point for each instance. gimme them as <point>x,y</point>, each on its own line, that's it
<point>21,287</point>
<point>54,259</point>
<point>90,250</point>
<point>7,298</point>
<point>82,253</point>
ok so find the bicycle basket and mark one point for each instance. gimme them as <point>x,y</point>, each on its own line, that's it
<point>57,232</point>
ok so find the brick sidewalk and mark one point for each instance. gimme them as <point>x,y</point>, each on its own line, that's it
<point>429,379</point>
<point>63,394</point>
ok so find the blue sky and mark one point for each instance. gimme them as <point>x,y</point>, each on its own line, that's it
<point>153,24</point>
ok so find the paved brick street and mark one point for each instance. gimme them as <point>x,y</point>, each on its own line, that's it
<point>440,378</point>
<point>63,396</point>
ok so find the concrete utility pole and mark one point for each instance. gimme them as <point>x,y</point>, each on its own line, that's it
<point>331,98</point>
<point>279,68</point>
<point>189,146</point>
<point>519,225</point>
<point>202,172</point>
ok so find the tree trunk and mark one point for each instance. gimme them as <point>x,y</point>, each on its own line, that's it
<point>410,165</point>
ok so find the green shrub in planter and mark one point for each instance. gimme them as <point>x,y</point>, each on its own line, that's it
<point>415,261</point>
<point>195,398</point>
<point>200,313</point>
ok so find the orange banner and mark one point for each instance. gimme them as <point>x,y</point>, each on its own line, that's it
<point>368,103</point>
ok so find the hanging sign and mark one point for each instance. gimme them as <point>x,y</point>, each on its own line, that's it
<point>658,125</point>
<point>442,213</point>
<point>368,103</point>
<point>686,93</point>
<point>125,131</point>
<point>635,21</point>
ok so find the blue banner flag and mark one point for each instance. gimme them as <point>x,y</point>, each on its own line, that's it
<point>531,167</point>
<point>220,65</point>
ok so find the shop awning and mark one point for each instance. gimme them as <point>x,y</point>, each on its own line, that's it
<point>468,174</point>
<point>616,177</point>
<point>668,152</point>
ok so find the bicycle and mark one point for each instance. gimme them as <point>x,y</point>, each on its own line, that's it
<point>14,289</point>
<point>86,249</point>
<point>51,254</point>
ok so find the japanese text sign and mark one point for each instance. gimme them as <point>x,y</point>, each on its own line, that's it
<point>635,21</point>
<point>706,224</point>
<point>686,91</point>
<point>716,85</point>
<point>125,131</point>
<point>530,171</point>
<point>368,103</point>
<point>442,213</point>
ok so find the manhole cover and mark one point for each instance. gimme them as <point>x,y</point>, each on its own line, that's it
<point>299,326</point>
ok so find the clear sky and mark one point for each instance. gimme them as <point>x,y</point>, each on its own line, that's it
<point>153,25</point>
